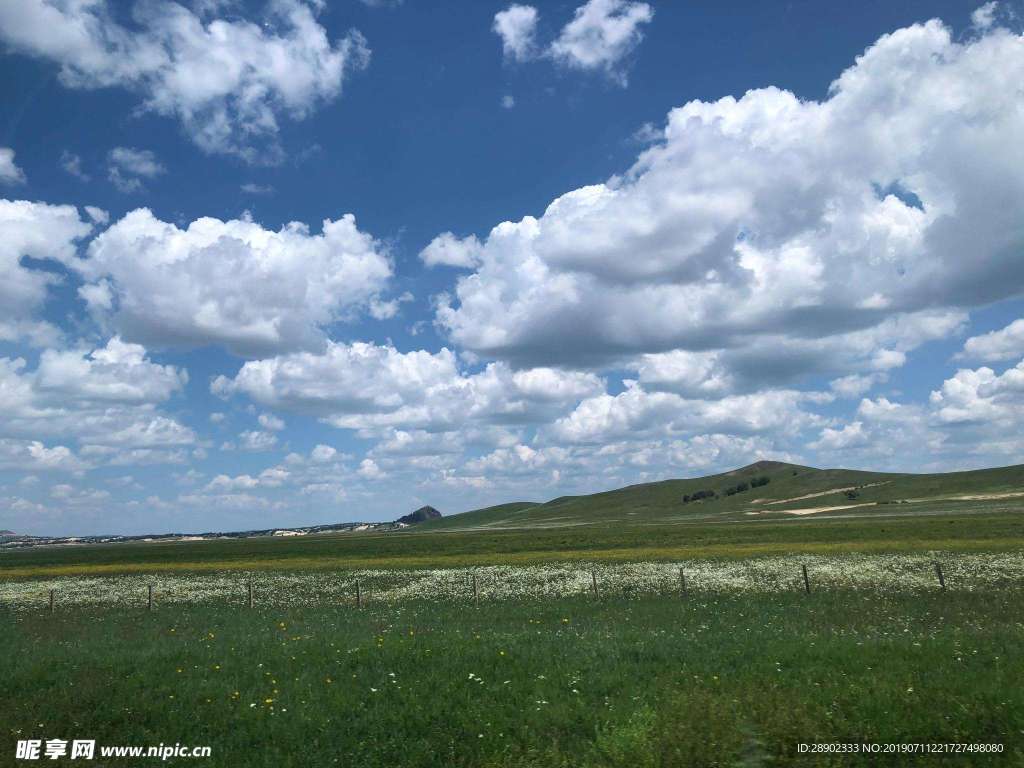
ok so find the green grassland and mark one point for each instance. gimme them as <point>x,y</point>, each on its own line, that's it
<point>963,531</point>
<point>643,522</point>
<point>711,680</point>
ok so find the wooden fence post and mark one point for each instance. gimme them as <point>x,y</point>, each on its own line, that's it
<point>938,572</point>
<point>593,577</point>
<point>149,605</point>
<point>807,581</point>
<point>359,595</point>
<point>250,593</point>
<point>682,581</point>
<point>51,600</point>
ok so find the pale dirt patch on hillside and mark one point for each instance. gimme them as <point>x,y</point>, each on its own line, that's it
<point>975,497</point>
<point>814,510</point>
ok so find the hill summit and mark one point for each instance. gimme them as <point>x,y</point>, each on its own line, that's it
<point>420,515</point>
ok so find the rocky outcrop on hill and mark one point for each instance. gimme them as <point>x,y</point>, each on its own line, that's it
<point>420,515</point>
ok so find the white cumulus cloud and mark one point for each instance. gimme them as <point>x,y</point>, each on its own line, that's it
<point>517,27</point>
<point>105,399</point>
<point>42,232</point>
<point>10,173</point>
<point>768,218</point>
<point>231,283</point>
<point>365,386</point>
<point>448,250</point>
<point>127,167</point>
<point>1005,344</point>
<point>118,372</point>
<point>226,80</point>
<point>600,36</point>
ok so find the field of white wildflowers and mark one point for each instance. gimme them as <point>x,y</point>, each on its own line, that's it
<point>881,573</point>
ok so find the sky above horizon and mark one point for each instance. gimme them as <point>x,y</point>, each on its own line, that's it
<point>266,264</point>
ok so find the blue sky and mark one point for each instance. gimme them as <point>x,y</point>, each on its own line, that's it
<point>284,263</point>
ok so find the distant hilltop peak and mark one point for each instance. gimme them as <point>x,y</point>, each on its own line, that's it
<point>8,533</point>
<point>420,515</point>
<point>764,465</point>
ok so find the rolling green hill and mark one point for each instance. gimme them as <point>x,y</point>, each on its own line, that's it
<point>763,490</point>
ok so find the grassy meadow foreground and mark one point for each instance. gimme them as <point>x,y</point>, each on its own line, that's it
<point>716,679</point>
<point>534,668</point>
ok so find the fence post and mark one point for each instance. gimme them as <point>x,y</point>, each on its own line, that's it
<point>359,595</point>
<point>476,594</point>
<point>938,572</point>
<point>807,581</point>
<point>250,593</point>
<point>593,577</point>
<point>682,581</point>
<point>51,600</point>
<point>149,605</point>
